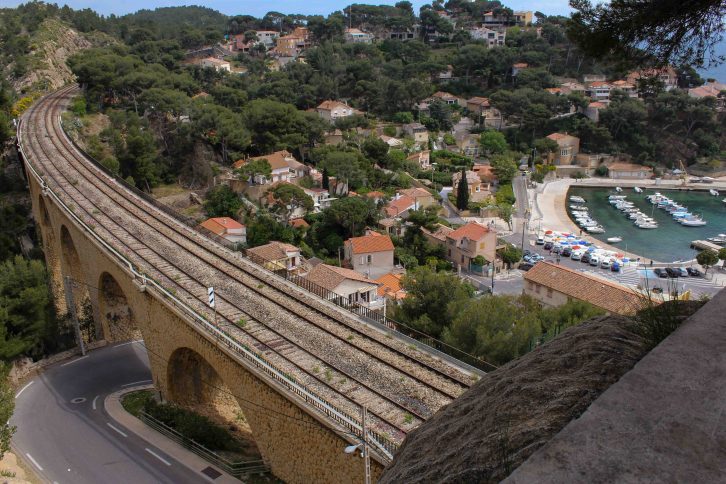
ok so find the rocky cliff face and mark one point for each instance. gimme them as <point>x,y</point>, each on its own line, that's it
<point>51,46</point>
<point>486,433</point>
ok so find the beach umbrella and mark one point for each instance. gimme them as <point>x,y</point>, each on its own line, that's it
<point>583,242</point>
<point>575,247</point>
<point>591,249</point>
<point>548,232</point>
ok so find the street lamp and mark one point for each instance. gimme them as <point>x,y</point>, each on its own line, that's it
<point>433,169</point>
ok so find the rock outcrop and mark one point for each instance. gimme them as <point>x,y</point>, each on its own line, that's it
<point>52,45</point>
<point>486,433</point>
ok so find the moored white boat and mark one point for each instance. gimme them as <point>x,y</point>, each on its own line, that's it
<point>713,192</point>
<point>597,229</point>
<point>614,240</point>
<point>618,189</point>
<point>576,199</point>
<point>692,222</point>
<point>638,190</point>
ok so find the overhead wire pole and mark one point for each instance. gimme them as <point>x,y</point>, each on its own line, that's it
<point>210,293</point>
<point>366,454</point>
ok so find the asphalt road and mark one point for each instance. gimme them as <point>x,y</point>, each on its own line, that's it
<point>67,442</point>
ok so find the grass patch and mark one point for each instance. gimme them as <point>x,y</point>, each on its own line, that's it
<point>134,402</point>
<point>191,425</point>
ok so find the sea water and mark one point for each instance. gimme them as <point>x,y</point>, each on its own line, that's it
<point>671,241</point>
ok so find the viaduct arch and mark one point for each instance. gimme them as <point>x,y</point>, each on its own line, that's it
<point>297,444</point>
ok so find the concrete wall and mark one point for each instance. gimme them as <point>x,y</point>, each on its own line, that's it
<point>294,441</point>
<point>379,261</point>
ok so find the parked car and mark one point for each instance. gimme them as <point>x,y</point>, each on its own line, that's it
<point>672,272</point>
<point>594,260</point>
<point>525,266</point>
<point>615,266</point>
<point>683,271</point>
<point>548,246</point>
<point>576,255</point>
<point>556,249</point>
<point>585,258</point>
<point>692,271</point>
<point>660,273</point>
<point>605,264</point>
<point>540,241</point>
<point>566,252</point>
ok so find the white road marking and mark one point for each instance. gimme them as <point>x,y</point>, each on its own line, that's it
<point>23,389</point>
<point>116,429</point>
<point>136,383</point>
<point>74,361</point>
<point>35,462</point>
<point>94,402</point>
<point>158,456</point>
<point>129,343</point>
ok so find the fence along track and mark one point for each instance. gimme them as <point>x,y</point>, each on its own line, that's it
<point>388,425</point>
<point>382,444</point>
<point>373,400</point>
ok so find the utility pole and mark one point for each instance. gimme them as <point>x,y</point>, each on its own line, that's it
<point>366,455</point>
<point>68,286</point>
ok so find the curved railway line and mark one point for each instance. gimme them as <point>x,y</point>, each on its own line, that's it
<point>345,360</point>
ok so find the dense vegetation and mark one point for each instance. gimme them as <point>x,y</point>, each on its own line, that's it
<point>496,328</point>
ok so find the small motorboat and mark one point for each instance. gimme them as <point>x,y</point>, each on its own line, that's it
<point>597,229</point>
<point>720,239</point>
<point>692,222</point>
<point>713,192</point>
<point>638,190</point>
<point>618,189</point>
<point>614,240</point>
<point>576,199</point>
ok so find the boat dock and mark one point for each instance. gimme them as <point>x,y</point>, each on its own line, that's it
<point>705,244</point>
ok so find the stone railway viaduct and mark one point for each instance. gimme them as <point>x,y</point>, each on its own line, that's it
<point>300,438</point>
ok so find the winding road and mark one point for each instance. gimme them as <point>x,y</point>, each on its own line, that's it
<point>79,443</point>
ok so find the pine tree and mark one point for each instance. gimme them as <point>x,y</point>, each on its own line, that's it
<point>462,193</point>
<point>326,180</point>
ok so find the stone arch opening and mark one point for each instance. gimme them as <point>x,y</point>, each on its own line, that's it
<point>74,278</point>
<point>118,317</point>
<point>194,384</point>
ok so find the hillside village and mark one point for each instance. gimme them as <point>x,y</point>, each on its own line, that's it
<point>376,152</point>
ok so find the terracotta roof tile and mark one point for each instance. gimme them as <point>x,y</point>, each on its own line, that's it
<point>219,225</point>
<point>472,231</point>
<point>330,277</point>
<point>374,242</point>
<point>609,296</point>
<point>273,251</point>
<point>396,207</point>
<point>391,285</point>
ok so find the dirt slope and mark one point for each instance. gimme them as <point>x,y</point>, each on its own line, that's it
<point>511,412</point>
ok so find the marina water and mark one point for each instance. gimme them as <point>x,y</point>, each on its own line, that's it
<point>671,241</point>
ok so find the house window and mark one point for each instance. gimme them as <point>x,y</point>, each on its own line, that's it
<point>369,259</point>
<point>462,259</point>
<point>537,288</point>
<point>549,292</point>
<point>564,151</point>
<point>481,245</point>
<point>449,252</point>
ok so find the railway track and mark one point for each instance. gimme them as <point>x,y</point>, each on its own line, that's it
<point>361,368</point>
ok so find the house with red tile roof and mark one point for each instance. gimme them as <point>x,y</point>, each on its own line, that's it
<point>555,285</point>
<point>400,206</point>
<point>276,255</point>
<point>371,254</point>
<point>341,282</point>
<point>227,228</point>
<point>469,241</point>
<point>569,147</point>
<point>283,164</point>
<point>332,111</point>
